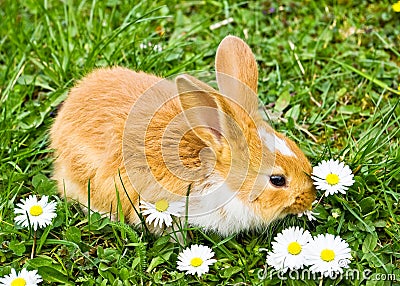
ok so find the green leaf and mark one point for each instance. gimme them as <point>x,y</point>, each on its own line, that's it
<point>349,109</point>
<point>18,247</point>
<point>293,112</point>
<point>161,258</point>
<point>283,101</point>
<point>38,179</point>
<point>160,243</point>
<point>41,261</point>
<point>228,272</point>
<point>117,282</point>
<point>369,243</point>
<point>104,267</point>
<point>73,234</point>
<point>341,92</point>
<point>322,212</point>
<point>154,263</point>
<point>367,205</point>
<point>124,273</point>
<point>107,272</point>
<point>43,185</point>
<point>51,274</point>
<point>380,223</point>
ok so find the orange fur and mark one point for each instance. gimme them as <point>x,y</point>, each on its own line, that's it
<point>158,137</point>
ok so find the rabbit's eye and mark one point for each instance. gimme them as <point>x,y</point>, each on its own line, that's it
<point>278,180</point>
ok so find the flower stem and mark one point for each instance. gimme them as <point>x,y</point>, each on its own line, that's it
<point>33,245</point>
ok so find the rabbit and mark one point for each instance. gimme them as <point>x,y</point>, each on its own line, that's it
<point>122,137</point>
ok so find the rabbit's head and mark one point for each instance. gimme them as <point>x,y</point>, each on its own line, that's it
<point>268,173</point>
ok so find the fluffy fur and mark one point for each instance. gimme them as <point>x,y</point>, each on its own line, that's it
<point>158,138</point>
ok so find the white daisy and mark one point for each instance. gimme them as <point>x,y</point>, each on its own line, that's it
<point>287,249</point>
<point>24,278</point>
<point>37,213</point>
<point>156,47</point>
<point>196,259</point>
<point>332,176</point>
<point>327,254</point>
<point>162,211</point>
<point>309,213</point>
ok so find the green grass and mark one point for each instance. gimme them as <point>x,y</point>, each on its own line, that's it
<point>335,91</point>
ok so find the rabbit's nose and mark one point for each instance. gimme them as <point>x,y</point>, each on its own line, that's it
<point>302,202</point>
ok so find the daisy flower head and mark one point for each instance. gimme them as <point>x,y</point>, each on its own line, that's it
<point>34,212</point>
<point>24,278</point>
<point>196,259</point>
<point>149,45</point>
<point>396,6</point>
<point>309,213</point>
<point>287,249</point>
<point>332,177</point>
<point>327,254</point>
<point>161,212</point>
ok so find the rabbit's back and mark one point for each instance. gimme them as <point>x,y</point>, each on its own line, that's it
<point>88,132</point>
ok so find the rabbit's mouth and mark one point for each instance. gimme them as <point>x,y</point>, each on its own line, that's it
<point>302,202</point>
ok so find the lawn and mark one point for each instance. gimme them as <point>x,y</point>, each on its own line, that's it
<point>329,74</point>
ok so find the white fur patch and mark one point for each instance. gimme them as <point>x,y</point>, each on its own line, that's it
<point>275,143</point>
<point>218,209</point>
<point>282,147</point>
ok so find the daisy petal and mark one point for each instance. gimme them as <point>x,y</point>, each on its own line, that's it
<point>332,177</point>
<point>38,213</point>
<point>195,260</point>
<point>25,277</point>
<point>287,249</point>
<point>161,215</point>
<point>327,254</point>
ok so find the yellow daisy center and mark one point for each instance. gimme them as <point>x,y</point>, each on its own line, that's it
<point>332,179</point>
<point>162,205</point>
<point>196,262</point>
<point>36,210</point>
<point>396,7</point>
<point>18,282</point>
<point>294,248</point>
<point>327,255</point>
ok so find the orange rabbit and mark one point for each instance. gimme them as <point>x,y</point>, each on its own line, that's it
<point>156,138</point>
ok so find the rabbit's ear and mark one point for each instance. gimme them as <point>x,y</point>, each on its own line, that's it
<point>237,73</point>
<point>201,109</point>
